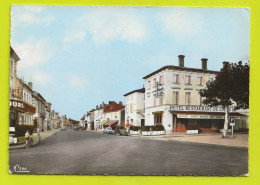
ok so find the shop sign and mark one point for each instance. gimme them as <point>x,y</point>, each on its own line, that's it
<point>22,106</point>
<point>16,104</point>
<point>197,108</point>
<point>199,116</point>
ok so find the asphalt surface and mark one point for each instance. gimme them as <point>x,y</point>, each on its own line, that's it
<point>78,152</point>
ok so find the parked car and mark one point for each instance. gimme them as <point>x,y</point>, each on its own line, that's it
<point>63,128</point>
<point>108,130</point>
<point>120,130</point>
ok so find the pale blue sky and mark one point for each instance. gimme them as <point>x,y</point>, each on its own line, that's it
<point>79,56</point>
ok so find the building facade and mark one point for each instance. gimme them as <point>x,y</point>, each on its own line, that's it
<point>39,117</point>
<point>20,95</point>
<point>172,99</point>
<point>135,108</point>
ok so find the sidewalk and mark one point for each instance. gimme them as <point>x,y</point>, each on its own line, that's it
<point>43,135</point>
<point>238,140</point>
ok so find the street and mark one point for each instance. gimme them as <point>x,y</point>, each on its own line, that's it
<point>78,152</point>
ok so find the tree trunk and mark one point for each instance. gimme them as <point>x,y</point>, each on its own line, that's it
<point>224,131</point>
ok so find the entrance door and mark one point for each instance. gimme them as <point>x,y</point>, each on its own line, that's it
<point>142,122</point>
<point>35,125</point>
<point>158,119</point>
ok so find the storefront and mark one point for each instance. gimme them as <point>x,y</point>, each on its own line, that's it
<point>20,113</point>
<point>202,118</point>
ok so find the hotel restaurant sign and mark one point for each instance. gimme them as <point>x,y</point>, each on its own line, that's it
<point>21,106</point>
<point>197,109</point>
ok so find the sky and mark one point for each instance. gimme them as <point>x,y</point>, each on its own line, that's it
<point>79,56</point>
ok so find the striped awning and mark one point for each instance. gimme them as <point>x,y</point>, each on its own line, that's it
<point>112,123</point>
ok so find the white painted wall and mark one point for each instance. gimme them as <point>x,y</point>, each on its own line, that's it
<point>136,100</point>
<point>169,88</point>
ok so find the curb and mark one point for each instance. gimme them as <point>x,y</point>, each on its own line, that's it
<point>20,146</point>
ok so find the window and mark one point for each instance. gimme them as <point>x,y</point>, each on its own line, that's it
<point>24,97</point>
<point>175,98</point>
<point>154,100</point>
<point>154,83</point>
<point>188,79</point>
<point>199,80</point>
<point>149,84</point>
<point>132,108</point>
<point>127,121</point>
<point>158,119</point>
<point>11,82</point>
<point>161,80</point>
<point>12,67</point>
<point>187,98</point>
<point>176,78</point>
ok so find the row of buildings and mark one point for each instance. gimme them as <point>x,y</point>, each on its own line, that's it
<point>170,98</point>
<point>29,107</point>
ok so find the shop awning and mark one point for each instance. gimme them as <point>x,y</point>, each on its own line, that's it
<point>205,115</point>
<point>22,106</point>
<point>126,124</point>
<point>158,112</point>
<point>112,123</point>
<point>104,122</point>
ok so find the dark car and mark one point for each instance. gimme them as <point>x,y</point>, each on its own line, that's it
<point>121,131</point>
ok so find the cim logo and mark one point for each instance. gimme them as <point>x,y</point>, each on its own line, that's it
<point>20,169</point>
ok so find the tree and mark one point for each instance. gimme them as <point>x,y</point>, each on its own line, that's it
<point>230,87</point>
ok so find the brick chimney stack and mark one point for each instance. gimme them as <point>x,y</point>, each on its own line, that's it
<point>181,60</point>
<point>204,64</point>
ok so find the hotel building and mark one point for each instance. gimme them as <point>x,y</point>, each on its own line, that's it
<point>172,99</point>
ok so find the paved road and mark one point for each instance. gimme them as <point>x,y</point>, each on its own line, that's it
<point>77,152</point>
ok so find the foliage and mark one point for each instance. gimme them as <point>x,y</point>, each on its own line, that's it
<point>153,128</point>
<point>231,83</point>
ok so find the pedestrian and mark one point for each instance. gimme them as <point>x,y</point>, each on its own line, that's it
<point>27,139</point>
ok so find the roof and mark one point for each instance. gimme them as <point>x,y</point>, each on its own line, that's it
<point>12,52</point>
<point>142,90</point>
<point>179,68</point>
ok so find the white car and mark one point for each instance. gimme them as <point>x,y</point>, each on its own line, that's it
<point>108,130</point>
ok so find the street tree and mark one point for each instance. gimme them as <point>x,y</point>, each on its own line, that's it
<point>230,87</point>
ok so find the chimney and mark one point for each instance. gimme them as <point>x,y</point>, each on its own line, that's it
<point>225,64</point>
<point>30,84</point>
<point>120,103</point>
<point>181,60</point>
<point>204,64</point>
<point>96,106</point>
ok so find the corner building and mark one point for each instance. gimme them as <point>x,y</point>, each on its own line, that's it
<point>172,99</point>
